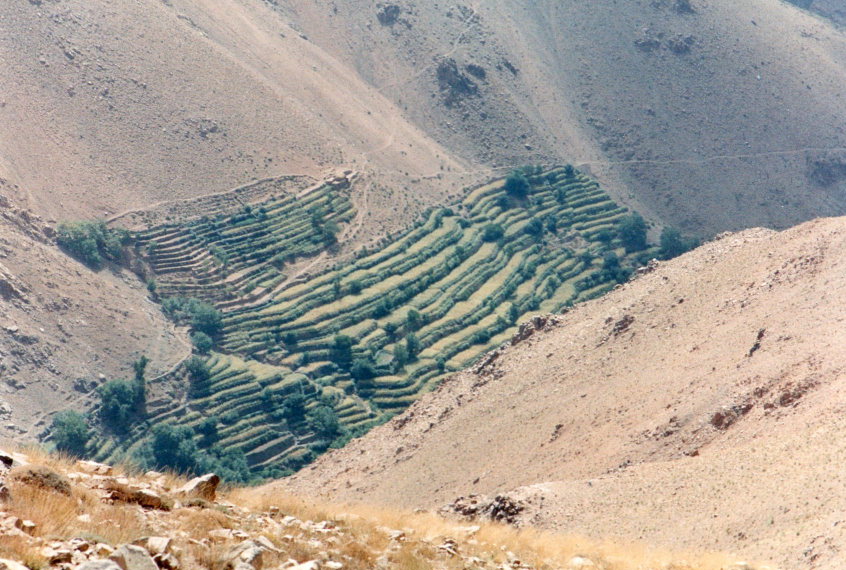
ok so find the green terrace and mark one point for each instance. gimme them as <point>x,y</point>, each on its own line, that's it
<point>298,366</point>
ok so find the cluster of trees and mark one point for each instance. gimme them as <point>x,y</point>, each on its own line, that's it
<point>92,242</point>
<point>122,402</point>
<point>327,230</point>
<point>205,320</point>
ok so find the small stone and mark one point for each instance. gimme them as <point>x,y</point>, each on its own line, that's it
<point>159,545</point>
<point>94,467</point>
<point>99,565</point>
<point>332,565</point>
<point>248,552</point>
<point>60,556</point>
<point>265,543</point>
<point>84,518</point>
<point>580,562</point>
<point>204,487</point>
<point>167,561</point>
<point>220,534</point>
<point>11,565</point>
<point>28,527</point>
<point>131,557</point>
<point>103,549</point>
<point>310,565</point>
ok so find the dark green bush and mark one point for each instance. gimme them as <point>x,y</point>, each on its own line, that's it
<point>673,243</point>
<point>118,404</point>
<point>632,232</point>
<point>203,343</point>
<point>92,242</point>
<point>492,233</point>
<point>70,433</point>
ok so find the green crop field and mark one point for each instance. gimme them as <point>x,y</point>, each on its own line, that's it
<point>359,343</point>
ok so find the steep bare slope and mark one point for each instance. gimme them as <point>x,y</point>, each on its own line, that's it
<point>708,393</point>
<point>108,108</point>
<point>700,112</point>
<point>64,328</point>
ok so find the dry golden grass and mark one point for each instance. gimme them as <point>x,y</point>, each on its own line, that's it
<point>491,541</point>
<point>359,535</point>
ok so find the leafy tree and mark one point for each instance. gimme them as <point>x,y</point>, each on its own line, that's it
<point>325,423</point>
<point>205,318</point>
<point>342,351</point>
<point>517,185</point>
<point>92,242</point>
<point>440,362</point>
<point>413,320</point>
<point>673,244</point>
<point>70,433</point>
<point>173,447</point>
<point>202,342</point>
<point>118,404</point>
<point>412,346</point>
<point>295,407</point>
<point>198,375</point>
<point>140,383</point>
<point>534,228</point>
<point>391,330</point>
<point>400,355</point>
<point>569,171</point>
<point>383,309</point>
<point>632,232</point>
<point>362,370</point>
<point>492,233</point>
<point>355,287</point>
<point>208,429</point>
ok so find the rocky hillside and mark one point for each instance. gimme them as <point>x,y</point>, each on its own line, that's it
<point>710,385</point>
<point>62,515</point>
<point>678,106</point>
<point>64,328</point>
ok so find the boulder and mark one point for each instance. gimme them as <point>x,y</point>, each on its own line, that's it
<point>94,467</point>
<point>204,487</point>
<point>248,552</point>
<point>11,565</point>
<point>99,565</point>
<point>131,557</point>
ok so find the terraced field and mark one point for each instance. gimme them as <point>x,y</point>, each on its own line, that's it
<point>364,340</point>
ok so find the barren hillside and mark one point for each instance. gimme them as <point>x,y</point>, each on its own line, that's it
<point>701,112</point>
<point>65,328</point>
<point>707,393</point>
<point>679,108</point>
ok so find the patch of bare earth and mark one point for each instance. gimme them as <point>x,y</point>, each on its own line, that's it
<point>699,406</point>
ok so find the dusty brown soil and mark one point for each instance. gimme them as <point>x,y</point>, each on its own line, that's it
<point>721,116</point>
<point>700,406</point>
<point>65,329</point>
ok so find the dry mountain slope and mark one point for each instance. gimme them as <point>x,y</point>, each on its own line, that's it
<point>696,105</point>
<point>107,109</point>
<point>679,108</point>
<point>708,393</point>
<point>63,328</point>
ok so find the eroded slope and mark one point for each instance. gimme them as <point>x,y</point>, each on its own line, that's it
<point>707,392</point>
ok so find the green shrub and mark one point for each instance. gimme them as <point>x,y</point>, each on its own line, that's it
<point>118,404</point>
<point>517,185</point>
<point>203,343</point>
<point>70,433</point>
<point>673,244</point>
<point>492,233</point>
<point>632,232</point>
<point>342,351</point>
<point>325,423</point>
<point>173,447</point>
<point>92,242</point>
